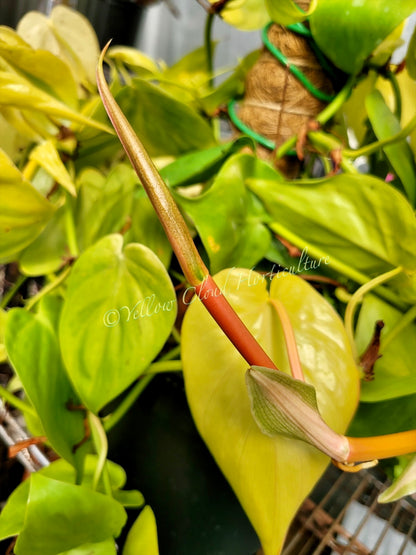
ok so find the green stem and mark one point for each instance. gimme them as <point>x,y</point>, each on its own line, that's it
<point>127,402</point>
<point>208,46</point>
<point>357,297</point>
<point>48,288</point>
<point>377,145</point>
<point>17,403</point>
<point>12,291</point>
<point>99,439</point>
<point>328,143</point>
<point>337,265</point>
<point>164,366</point>
<point>329,111</point>
<point>70,229</point>
<point>401,324</point>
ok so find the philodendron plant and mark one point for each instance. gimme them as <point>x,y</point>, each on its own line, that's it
<point>288,306</point>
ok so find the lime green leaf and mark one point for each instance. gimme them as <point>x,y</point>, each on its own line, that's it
<point>174,127</point>
<point>47,252</point>
<point>3,317</point>
<point>119,310</point>
<point>225,215</point>
<point>12,517</point>
<point>62,516</point>
<point>286,12</point>
<point>411,56</point>
<point>199,166</point>
<point>107,547</point>
<point>104,202</point>
<point>247,15</point>
<point>23,211</point>
<point>352,218</point>
<point>404,485</point>
<point>47,156</point>
<point>33,350</point>
<point>142,537</point>
<point>133,58</point>
<point>385,124</point>
<point>20,93</point>
<point>41,67</point>
<point>395,372</point>
<point>270,476</point>
<point>348,31</point>
<point>147,229</point>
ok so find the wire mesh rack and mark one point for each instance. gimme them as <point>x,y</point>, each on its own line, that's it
<point>342,515</point>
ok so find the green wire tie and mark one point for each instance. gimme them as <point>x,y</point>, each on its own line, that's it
<point>300,29</point>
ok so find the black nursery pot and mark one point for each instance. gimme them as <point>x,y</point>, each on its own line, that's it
<point>164,457</point>
<point>112,19</point>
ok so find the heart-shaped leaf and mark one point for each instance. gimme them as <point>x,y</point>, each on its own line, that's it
<point>348,31</point>
<point>119,310</point>
<point>33,349</point>
<point>61,516</point>
<point>227,217</point>
<point>271,476</point>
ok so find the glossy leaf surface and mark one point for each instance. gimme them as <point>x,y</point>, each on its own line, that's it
<point>348,31</point>
<point>40,66</point>
<point>395,372</point>
<point>225,215</point>
<point>119,310</point>
<point>104,203</point>
<point>61,516</point>
<point>271,476</point>
<point>33,349</point>
<point>286,12</point>
<point>404,485</point>
<point>23,211</point>
<point>142,537</point>
<point>351,218</point>
<point>385,124</point>
<point>174,127</point>
<point>199,166</point>
<point>107,547</point>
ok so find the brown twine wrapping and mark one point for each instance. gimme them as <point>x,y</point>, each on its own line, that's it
<point>276,104</point>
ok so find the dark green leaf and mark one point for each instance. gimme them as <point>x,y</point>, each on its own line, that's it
<point>199,166</point>
<point>174,127</point>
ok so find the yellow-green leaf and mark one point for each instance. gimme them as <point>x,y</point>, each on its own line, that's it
<point>270,476</point>
<point>142,537</point>
<point>23,211</point>
<point>48,158</point>
<point>286,12</point>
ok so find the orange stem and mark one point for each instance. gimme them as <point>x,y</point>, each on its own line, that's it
<point>381,447</point>
<point>231,324</point>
